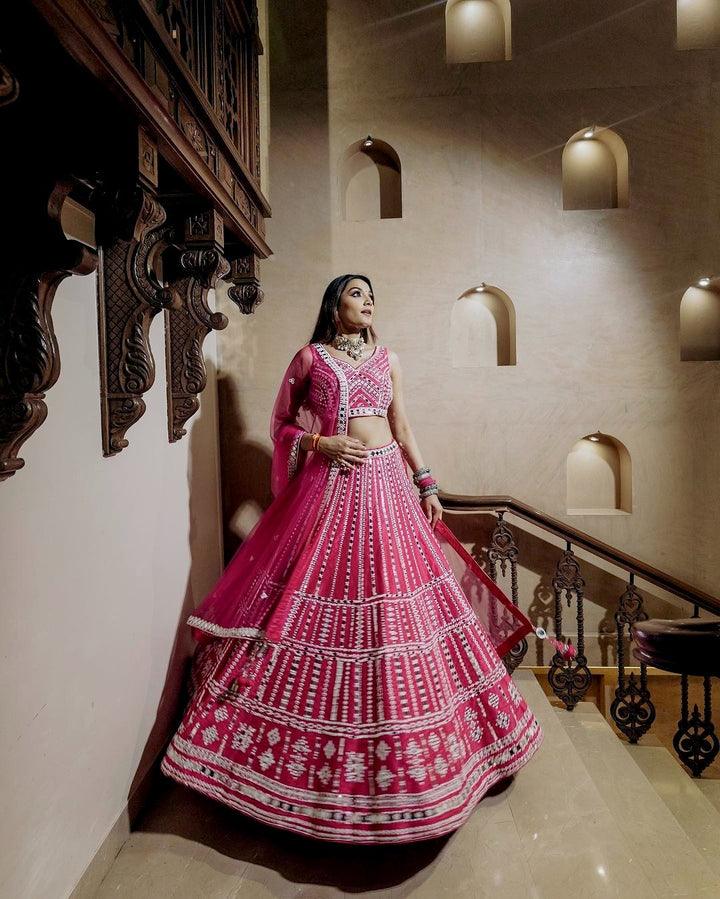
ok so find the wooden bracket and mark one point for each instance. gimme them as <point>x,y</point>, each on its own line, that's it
<point>36,259</point>
<point>245,278</point>
<point>189,320</point>
<point>132,234</point>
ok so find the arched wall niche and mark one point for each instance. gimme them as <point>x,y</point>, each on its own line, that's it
<point>371,181</point>
<point>599,476</point>
<point>700,322</point>
<point>482,328</point>
<point>698,24</point>
<point>595,170</point>
<point>478,31</point>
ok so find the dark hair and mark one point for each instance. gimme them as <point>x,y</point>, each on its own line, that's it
<point>325,327</point>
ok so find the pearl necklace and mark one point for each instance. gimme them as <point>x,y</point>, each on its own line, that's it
<point>353,346</point>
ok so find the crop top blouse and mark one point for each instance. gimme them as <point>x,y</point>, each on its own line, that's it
<point>369,385</point>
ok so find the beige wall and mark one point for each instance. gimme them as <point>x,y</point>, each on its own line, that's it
<point>596,293</point>
<point>101,559</point>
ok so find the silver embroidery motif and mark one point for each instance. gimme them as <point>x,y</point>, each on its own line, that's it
<point>210,735</point>
<point>384,778</point>
<point>243,737</point>
<point>382,750</point>
<point>355,767</point>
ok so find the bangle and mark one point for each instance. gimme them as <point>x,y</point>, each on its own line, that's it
<point>314,442</point>
<point>425,482</point>
<point>430,490</point>
<point>420,474</point>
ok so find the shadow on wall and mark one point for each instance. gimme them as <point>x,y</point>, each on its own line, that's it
<point>246,471</point>
<point>202,478</point>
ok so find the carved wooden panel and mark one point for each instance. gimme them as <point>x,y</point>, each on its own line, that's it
<point>245,277</point>
<point>189,320</point>
<point>173,69</point>
<point>203,81</point>
<point>9,87</point>
<point>129,296</point>
<point>29,357</point>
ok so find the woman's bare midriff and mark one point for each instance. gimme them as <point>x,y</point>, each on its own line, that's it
<point>371,430</point>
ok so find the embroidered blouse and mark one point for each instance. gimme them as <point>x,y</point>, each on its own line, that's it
<point>319,394</point>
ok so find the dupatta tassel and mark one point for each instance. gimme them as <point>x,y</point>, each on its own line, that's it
<point>566,650</point>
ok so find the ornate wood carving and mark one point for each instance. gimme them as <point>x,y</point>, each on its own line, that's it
<point>245,292</point>
<point>129,296</point>
<point>189,320</point>
<point>29,358</point>
<point>9,87</point>
<point>184,70</point>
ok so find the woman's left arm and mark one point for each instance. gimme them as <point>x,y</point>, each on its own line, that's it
<point>402,432</point>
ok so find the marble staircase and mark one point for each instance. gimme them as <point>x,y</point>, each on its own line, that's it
<point>589,817</point>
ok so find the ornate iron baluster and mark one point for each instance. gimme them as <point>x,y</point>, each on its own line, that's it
<point>631,710</point>
<point>696,742</point>
<point>570,680</point>
<point>504,551</point>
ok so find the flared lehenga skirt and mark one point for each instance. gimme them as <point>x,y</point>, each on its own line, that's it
<point>375,708</point>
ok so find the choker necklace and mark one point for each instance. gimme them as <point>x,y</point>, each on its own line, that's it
<point>353,346</point>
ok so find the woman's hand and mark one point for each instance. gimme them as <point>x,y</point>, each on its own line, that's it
<point>346,451</point>
<point>432,508</point>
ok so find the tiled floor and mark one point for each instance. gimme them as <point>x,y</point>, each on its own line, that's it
<point>559,829</point>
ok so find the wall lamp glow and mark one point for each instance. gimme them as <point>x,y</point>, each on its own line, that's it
<point>595,437</point>
<point>590,133</point>
<point>368,142</point>
<point>481,289</point>
<point>704,282</point>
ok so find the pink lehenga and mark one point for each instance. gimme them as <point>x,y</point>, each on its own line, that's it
<point>345,687</point>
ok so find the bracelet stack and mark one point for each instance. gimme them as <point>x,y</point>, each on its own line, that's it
<point>425,483</point>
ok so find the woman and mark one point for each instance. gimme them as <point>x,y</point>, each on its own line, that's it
<point>345,688</point>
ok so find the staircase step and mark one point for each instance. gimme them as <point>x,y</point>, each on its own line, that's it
<point>710,790</point>
<point>681,793</point>
<point>654,838</point>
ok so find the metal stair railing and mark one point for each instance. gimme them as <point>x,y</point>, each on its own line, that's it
<point>632,708</point>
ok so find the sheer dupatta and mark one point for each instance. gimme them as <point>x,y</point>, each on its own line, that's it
<point>249,590</point>
<point>504,623</point>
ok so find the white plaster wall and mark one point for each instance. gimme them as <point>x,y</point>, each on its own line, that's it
<point>596,292</point>
<point>100,560</point>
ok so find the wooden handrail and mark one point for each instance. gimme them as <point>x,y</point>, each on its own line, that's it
<point>457,503</point>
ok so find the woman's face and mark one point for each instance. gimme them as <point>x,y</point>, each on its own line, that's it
<point>356,307</point>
